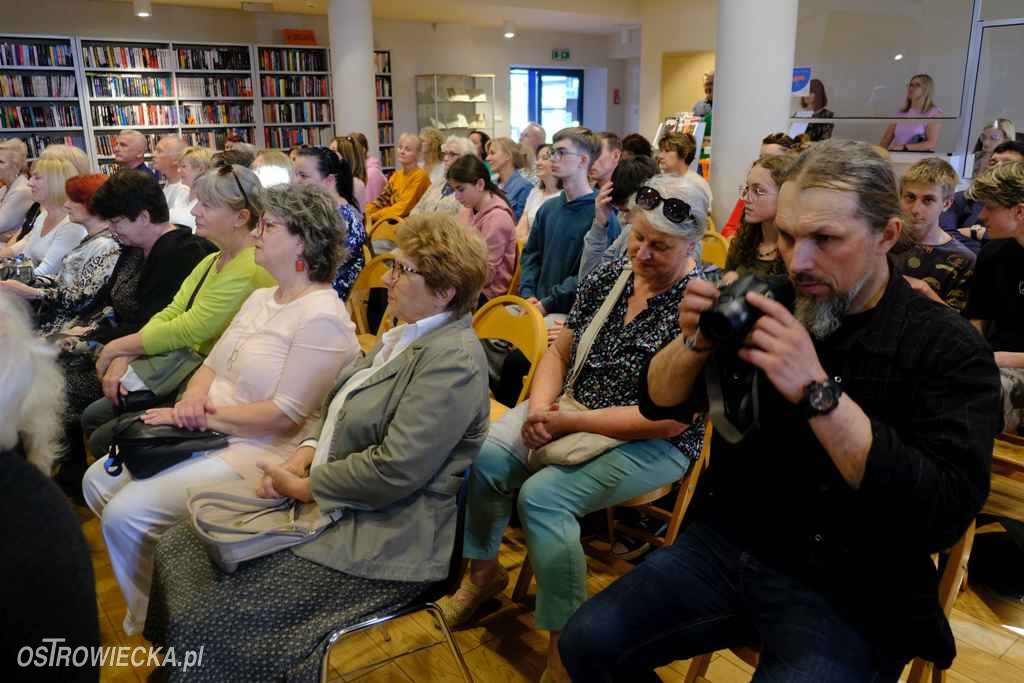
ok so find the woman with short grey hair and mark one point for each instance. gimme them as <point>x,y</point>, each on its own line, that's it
<point>439,197</point>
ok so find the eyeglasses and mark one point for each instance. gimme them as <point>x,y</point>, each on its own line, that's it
<point>263,225</point>
<point>398,268</point>
<point>753,191</point>
<point>676,210</point>
<point>225,169</point>
<point>558,152</point>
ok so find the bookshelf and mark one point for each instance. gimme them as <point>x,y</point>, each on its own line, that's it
<point>214,87</point>
<point>39,91</point>
<point>295,95</point>
<point>385,109</point>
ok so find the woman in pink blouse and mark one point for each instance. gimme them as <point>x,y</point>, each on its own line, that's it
<point>262,384</point>
<point>915,136</point>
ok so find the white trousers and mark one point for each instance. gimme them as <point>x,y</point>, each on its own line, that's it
<point>136,512</point>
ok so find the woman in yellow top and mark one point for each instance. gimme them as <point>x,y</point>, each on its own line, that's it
<point>405,186</point>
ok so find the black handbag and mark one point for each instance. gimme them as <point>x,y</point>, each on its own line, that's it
<point>147,449</point>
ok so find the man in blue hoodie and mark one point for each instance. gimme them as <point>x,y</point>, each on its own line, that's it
<point>551,257</point>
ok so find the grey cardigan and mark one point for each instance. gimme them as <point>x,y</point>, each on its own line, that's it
<point>400,446</point>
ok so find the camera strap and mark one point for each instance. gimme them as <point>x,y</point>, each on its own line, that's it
<point>719,412</point>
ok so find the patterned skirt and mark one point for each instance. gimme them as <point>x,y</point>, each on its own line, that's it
<point>269,621</point>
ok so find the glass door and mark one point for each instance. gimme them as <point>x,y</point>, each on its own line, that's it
<point>997,98</point>
<point>552,97</point>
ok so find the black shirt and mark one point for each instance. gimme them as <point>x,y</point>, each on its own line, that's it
<point>929,384</point>
<point>997,294</point>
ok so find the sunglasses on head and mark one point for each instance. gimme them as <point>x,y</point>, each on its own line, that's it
<point>676,210</point>
<point>225,169</point>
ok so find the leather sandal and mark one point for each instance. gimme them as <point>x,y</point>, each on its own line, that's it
<point>459,612</point>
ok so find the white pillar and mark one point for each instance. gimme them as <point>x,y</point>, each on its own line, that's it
<point>754,50</point>
<point>350,23</point>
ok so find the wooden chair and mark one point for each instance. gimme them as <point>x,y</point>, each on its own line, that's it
<point>512,319</point>
<point>714,248</point>
<point>371,277</point>
<point>513,285</point>
<point>711,225</point>
<point>384,231</point>
<point>687,487</point>
<point>920,670</point>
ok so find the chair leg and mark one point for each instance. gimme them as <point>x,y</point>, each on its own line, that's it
<point>433,610</point>
<point>523,582</point>
<point>698,668</point>
<point>920,671</point>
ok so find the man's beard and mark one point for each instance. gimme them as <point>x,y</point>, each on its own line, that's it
<point>823,315</point>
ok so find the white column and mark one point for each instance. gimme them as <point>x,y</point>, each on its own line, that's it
<point>753,73</point>
<point>350,23</point>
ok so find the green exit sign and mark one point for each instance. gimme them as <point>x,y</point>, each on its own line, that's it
<point>560,55</point>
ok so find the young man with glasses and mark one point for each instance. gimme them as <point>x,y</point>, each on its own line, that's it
<point>551,257</point>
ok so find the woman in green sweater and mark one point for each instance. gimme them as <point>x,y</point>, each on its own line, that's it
<point>229,206</point>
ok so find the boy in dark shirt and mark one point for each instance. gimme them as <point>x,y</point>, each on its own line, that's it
<point>996,303</point>
<point>932,255</point>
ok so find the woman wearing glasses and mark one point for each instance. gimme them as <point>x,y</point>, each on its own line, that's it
<point>400,427</point>
<point>440,197</point>
<point>753,248</point>
<point>648,286</point>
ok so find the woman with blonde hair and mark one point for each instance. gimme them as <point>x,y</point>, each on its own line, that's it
<point>915,136</point>
<point>506,158</point>
<point>431,153</point>
<point>53,234</point>
<point>346,147</point>
<point>193,162</point>
<point>994,134</point>
<point>15,197</point>
<point>405,186</point>
<point>273,167</point>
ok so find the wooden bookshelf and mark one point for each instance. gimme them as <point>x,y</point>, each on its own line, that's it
<point>385,109</point>
<point>295,95</point>
<point>214,83</point>
<point>39,91</point>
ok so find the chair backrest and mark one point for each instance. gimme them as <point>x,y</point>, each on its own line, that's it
<point>371,277</point>
<point>711,225</point>
<point>689,487</point>
<point>513,284</point>
<point>519,323</point>
<point>385,230</point>
<point>714,248</point>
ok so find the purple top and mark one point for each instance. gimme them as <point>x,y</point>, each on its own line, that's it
<point>906,132</point>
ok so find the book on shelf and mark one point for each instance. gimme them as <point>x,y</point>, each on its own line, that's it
<point>215,139</point>
<point>28,54</point>
<point>295,86</point>
<point>383,85</point>
<point>37,86</point>
<point>382,62</point>
<point>127,57</point>
<point>215,113</point>
<point>385,134</point>
<point>134,115</point>
<point>105,142</point>
<point>214,58</point>
<point>205,86</point>
<point>288,59</point>
<point>37,143</point>
<point>387,157</point>
<point>280,138</point>
<point>385,111</point>
<point>40,116</point>
<point>296,112</point>
<point>110,85</point>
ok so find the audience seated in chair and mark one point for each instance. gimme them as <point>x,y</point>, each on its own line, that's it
<point>405,186</point>
<point>754,248</point>
<point>636,145</point>
<point>262,385</point>
<point>375,180</point>
<point>439,196</point>
<point>963,218</point>
<point>880,407</point>
<point>675,154</point>
<point>194,162</point>
<point>547,187</point>
<point>348,149</point>
<point>508,159</point>
<point>166,155</point>
<point>606,162</point>
<point>16,196</point>
<point>399,429</point>
<point>644,315</point>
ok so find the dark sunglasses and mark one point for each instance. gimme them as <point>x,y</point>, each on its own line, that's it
<point>676,210</point>
<point>225,169</point>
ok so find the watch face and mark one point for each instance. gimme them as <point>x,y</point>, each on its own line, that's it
<point>821,397</point>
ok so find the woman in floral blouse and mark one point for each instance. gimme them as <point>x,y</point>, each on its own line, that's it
<point>59,297</point>
<point>669,214</point>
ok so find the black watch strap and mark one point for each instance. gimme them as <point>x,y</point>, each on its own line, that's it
<point>821,398</point>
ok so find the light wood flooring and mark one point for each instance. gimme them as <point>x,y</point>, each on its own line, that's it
<point>504,648</point>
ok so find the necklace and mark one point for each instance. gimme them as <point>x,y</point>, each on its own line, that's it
<point>767,252</point>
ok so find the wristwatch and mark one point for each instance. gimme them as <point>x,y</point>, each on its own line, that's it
<point>821,398</point>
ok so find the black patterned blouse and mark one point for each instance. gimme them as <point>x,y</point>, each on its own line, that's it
<point>82,275</point>
<point>611,373</point>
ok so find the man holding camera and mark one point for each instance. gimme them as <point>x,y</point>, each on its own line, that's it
<point>811,537</point>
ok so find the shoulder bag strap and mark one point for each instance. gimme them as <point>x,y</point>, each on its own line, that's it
<point>596,323</point>
<point>195,292</point>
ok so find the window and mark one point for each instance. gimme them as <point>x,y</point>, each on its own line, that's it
<point>552,97</point>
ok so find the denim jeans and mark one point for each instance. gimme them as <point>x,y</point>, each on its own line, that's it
<point>550,501</point>
<point>705,594</point>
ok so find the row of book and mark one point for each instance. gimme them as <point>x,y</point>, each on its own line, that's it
<point>213,113</point>
<point>386,134</point>
<point>382,62</point>
<point>121,57</point>
<point>383,85</point>
<point>387,157</point>
<point>214,139</point>
<point>214,87</point>
<point>134,115</point>
<point>385,111</point>
<point>281,59</point>
<point>21,54</point>
<point>295,86</point>
<point>37,86</point>
<point>105,142</point>
<point>103,85</point>
<point>40,116</point>
<point>37,143</point>
<point>221,58</point>
<point>296,112</point>
<point>281,138</point>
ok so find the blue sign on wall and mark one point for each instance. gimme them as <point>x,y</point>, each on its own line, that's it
<point>801,79</point>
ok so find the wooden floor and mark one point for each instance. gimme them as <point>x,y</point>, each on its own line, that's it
<point>504,647</point>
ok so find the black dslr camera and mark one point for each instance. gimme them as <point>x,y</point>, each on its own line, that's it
<point>732,384</point>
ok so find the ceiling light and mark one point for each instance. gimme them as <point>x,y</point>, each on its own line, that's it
<point>508,30</point>
<point>143,8</point>
<point>898,57</point>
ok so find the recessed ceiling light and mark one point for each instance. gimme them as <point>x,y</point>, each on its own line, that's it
<point>898,57</point>
<point>508,30</point>
<point>143,8</point>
